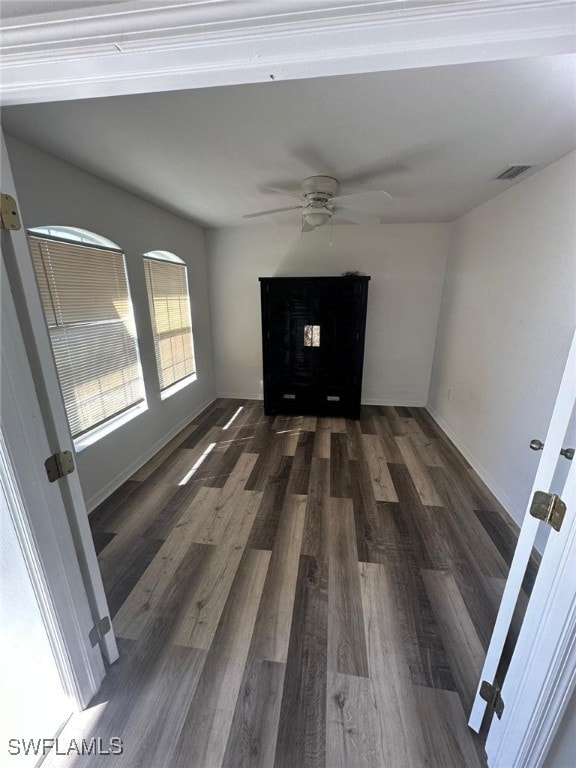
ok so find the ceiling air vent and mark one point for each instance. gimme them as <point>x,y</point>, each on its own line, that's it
<point>513,172</point>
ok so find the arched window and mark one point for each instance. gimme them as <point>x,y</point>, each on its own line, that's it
<point>75,235</point>
<point>88,309</point>
<point>169,303</point>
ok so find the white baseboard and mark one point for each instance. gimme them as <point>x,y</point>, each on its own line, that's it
<point>240,396</point>
<point>393,402</point>
<point>365,401</point>
<point>127,473</point>
<point>507,502</point>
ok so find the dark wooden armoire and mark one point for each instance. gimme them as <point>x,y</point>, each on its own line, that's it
<point>313,344</point>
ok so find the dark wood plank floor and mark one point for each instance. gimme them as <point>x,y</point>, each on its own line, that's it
<point>296,592</point>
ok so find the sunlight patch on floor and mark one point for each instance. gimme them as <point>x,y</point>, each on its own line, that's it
<point>197,464</point>
<point>233,417</point>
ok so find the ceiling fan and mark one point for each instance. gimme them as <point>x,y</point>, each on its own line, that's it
<point>321,203</point>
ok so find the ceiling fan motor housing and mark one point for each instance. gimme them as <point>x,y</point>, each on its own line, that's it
<point>318,191</point>
<point>319,188</point>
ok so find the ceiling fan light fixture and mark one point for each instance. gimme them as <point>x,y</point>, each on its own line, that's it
<point>317,217</point>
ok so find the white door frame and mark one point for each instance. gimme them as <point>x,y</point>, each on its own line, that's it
<point>29,317</point>
<point>542,674</point>
<point>150,45</point>
<point>544,474</point>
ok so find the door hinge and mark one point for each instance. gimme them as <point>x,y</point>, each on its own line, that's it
<point>101,628</point>
<point>59,465</point>
<point>549,508</point>
<point>491,694</point>
<point>9,218</point>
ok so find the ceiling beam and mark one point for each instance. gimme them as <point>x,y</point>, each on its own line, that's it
<point>147,46</point>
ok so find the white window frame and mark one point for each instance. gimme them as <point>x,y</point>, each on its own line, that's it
<point>177,386</point>
<point>78,236</point>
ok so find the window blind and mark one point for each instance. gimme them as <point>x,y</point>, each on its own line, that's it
<point>88,310</point>
<point>169,303</point>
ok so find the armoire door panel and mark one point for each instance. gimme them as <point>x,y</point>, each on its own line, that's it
<point>288,314</point>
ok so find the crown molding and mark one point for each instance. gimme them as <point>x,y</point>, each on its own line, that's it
<point>146,45</point>
<point>153,19</point>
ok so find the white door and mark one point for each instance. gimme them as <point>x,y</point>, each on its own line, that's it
<point>34,426</point>
<point>541,678</point>
<point>34,703</point>
<point>551,472</point>
<point>38,514</point>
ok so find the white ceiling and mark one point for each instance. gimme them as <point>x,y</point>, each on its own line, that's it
<point>435,138</point>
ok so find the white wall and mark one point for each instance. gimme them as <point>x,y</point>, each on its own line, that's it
<point>51,191</point>
<point>406,263</point>
<point>507,319</point>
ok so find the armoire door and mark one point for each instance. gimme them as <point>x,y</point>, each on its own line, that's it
<point>290,362</point>
<point>338,315</point>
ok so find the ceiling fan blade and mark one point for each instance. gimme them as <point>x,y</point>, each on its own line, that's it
<point>273,210</point>
<point>372,172</point>
<point>388,196</point>
<point>357,216</point>
<point>287,190</point>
